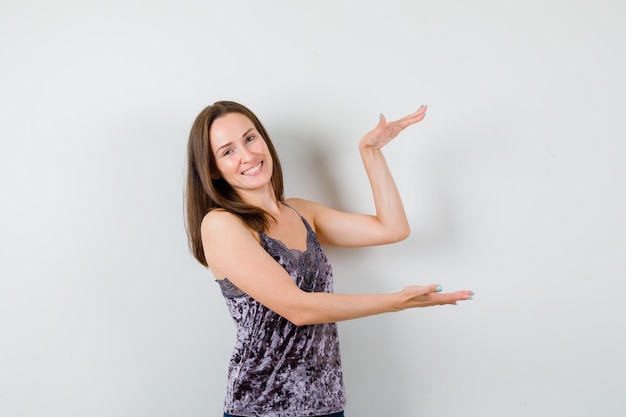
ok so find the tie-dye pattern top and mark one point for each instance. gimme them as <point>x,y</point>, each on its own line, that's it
<point>278,369</point>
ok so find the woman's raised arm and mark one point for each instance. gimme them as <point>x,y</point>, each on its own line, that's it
<point>390,223</point>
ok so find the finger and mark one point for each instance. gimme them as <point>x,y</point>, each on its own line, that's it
<point>419,112</point>
<point>382,121</point>
<point>416,117</point>
<point>410,119</point>
<point>429,290</point>
<point>463,295</point>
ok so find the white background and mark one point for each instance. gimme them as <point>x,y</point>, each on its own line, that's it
<point>514,186</point>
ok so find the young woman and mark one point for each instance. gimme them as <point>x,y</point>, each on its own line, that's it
<point>265,252</point>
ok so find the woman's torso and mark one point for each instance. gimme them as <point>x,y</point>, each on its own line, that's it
<point>279,369</point>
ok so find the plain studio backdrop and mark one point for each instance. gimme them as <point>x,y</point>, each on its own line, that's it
<point>514,185</point>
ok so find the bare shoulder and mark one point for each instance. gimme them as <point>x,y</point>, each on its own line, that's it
<point>222,233</point>
<point>223,224</point>
<point>218,219</point>
<point>302,205</point>
<point>307,208</point>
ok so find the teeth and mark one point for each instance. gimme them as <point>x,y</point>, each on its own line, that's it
<point>252,170</point>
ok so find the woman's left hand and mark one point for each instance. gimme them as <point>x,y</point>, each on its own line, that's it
<point>385,131</point>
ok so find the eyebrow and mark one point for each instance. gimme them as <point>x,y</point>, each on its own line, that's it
<point>230,143</point>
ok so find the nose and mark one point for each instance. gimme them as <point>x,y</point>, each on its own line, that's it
<point>245,154</point>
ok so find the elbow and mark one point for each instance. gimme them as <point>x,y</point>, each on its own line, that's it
<point>394,230</point>
<point>399,234</point>
<point>298,319</point>
<point>404,233</point>
<point>301,316</point>
<point>304,311</point>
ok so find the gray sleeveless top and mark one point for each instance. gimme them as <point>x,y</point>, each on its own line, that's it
<point>278,369</point>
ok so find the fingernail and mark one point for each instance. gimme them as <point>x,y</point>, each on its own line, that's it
<point>471,298</point>
<point>438,288</point>
<point>380,117</point>
<point>472,294</point>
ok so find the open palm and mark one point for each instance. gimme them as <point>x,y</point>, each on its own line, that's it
<point>385,131</point>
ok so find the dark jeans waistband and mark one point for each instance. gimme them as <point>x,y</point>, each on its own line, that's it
<point>339,414</point>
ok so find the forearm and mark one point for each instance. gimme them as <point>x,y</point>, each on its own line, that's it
<point>316,308</point>
<point>387,201</point>
<point>319,307</point>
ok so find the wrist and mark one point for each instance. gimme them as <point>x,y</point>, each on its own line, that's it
<point>397,302</point>
<point>365,147</point>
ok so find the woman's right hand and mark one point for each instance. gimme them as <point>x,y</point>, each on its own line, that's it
<point>430,295</point>
<point>385,131</point>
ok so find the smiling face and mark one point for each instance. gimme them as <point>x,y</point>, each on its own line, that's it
<point>241,154</point>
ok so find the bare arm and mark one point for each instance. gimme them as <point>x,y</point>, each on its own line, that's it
<point>390,223</point>
<point>232,251</point>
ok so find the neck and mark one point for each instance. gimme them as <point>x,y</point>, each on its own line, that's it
<point>265,200</point>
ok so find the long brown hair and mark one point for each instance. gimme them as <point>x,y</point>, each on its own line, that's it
<point>206,190</point>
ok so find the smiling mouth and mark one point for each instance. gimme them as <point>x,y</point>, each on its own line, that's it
<point>253,170</point>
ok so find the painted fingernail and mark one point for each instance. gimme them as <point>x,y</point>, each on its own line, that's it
<point>471,298</point>
<point>438,288</point>
<point>472,294</point>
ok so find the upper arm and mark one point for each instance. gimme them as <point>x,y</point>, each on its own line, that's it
<point>339,228</point>
<point>233,252</point>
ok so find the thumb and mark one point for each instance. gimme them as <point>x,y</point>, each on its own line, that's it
<point>436,288</point>
<point>423,289</point>
<point>382,121</point>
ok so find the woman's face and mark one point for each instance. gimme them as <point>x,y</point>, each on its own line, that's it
<point>241,154</point>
